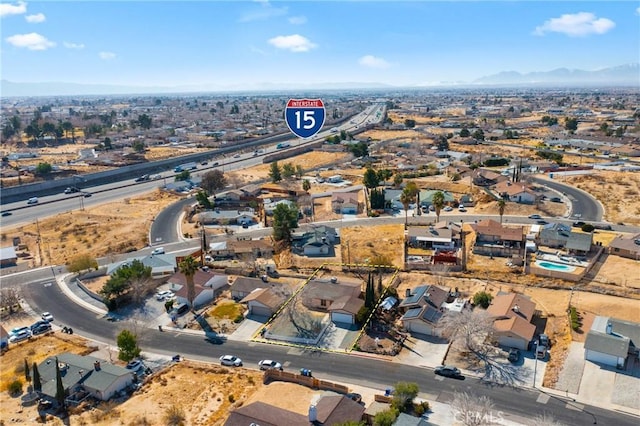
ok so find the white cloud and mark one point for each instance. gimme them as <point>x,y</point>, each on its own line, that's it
<point>373,62</point>
<point>298,20</point>
<point>77,46</point>
<point>107,56</point>
<point>7,9</point>
<point>294,43</point>
<point>576,25</point>
<point>638,11</point>
<point>263,12</point>
<point>31,41</point>
<point>35,19</point>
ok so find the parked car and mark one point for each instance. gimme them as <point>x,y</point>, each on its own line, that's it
<point>47,316</point>
<point>38,324</point>
<point>556,200</point>
<point>544,340</point>
<point>134,365</point>
<point>164,295</point>
<point>579,224</point>
<point>354,397</point>
<point>41,329</point>
<point>514,355</point>
<point>535,216</point>
<point>541,352</point>
<point>17,330</point>
<point>447,371</point>
<point>541,222</point>
<point>268,364</point>
<point>20,336</point>
<point>231,360</point>
<point>448,209</point>
<point>461,208</point>
<point>180,309</point>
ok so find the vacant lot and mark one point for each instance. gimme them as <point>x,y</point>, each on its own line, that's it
<point>368,244</point>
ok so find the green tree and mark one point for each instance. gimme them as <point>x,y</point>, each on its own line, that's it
<point>438,203</point>
<point>144,121</point>
<point>8,131</point>
<point>369,294</point>
<point>397,179</point>
<point>464,133</point>
<point>107,144</point>
<point>370,179</point>
<point>502,204</point>
<point>571,124</point>
<point>121,280</point>
<point>409,123</point>
<point>213,181</point>
<point>306,185</point>
<point>182,176</point>
<point>442,143</point>
<point>360,149</point>
<point>44,169</point>
<point>138,146</point>
<point>386,418</point>
<point>478,135</point>
<point>403,395</point>
<point>384,174</point>
<point>275,173</point>
<point>406,198</point>
<point>67,126</point>
<point>299,171</point>
<point>203,200</point>
<point>82,262</point>
<point>288,170</point>
<point>60,391</point>
<point>188,266</point>
<point>37,381</point>
<point>482,299</point>
<point>285,220</point>
<point>128,348</point>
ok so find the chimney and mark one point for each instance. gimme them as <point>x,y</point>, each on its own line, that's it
<point>313,414</point>
<point>96,365</point>
<point>407,293</point>
<point>516,308</point>
<point>609,328</point>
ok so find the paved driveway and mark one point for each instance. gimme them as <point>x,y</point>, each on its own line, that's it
<point>423,351</point>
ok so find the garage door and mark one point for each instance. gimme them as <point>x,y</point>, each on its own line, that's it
<point>601,358</point>
<point>342,318</point>
<point>513,342</point>
<point>262,311</point>
<point>420,328</point>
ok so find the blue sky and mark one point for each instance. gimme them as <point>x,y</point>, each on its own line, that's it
<point>252,42</point>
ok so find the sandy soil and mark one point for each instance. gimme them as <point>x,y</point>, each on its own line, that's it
<point>362,244</point>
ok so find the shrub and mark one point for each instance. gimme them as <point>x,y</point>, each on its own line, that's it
<point>174,416</point>
<point>15,387</point>
<point>482,299</point>
<point>232,398</point>
<point>576,322</point>
<point>587,227</point>
<point>238,318</point>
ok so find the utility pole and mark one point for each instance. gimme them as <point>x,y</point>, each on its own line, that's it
<point>39,241</point>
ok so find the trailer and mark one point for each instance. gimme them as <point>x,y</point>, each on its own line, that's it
<point>186,166</point>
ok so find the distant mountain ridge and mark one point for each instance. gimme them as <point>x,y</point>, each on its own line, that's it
<point>623,75</point>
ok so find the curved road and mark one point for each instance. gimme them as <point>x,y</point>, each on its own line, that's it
<point>367,371</point>
<point>582,203</point>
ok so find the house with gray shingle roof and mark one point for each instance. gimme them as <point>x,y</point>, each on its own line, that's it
<point>82,376</point>
<point>558,235</point>
<point>612,342</point>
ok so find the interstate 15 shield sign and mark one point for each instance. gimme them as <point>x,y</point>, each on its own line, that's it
<point>305,117</point>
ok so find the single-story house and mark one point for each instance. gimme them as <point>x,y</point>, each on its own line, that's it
<point>392,199</point>
<point>242,286</point>
<point>612,342</point>
<point>207,286</point>
<point>344,309</point>
<point>512,314</point>
<point>8,256</point>
<point>345,202</point>
<point>626,246</point>
<point>423,307</point>
<point>256,248</point>
<point>426,197</point>
<point>162,265</point>
<point>221,217</point>
<point>515,192</point>
<point>82,375</point>
<point>422,320</point>
<point>269,206</point>
<point>263,302</point>
<point>439,236</point>
<point>558,235</point>
<point>494,239</point>
<point>321,295</point>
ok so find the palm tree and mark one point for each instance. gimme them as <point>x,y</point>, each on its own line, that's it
<point>438,203</point>
<point>406,198</point>
<point>188,266</point>
<point>501,206</point>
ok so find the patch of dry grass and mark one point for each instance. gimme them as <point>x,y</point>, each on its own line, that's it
<point>363,244</point>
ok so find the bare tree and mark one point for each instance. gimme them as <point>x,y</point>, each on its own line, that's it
<point>139,288</point>
<point>9,298</point>
<point>470,409</point>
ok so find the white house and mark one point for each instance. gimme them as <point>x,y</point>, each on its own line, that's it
<point>207,285</point>
<point>612,342</point>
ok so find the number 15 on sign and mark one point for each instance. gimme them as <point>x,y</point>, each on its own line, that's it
<point>305,117</point>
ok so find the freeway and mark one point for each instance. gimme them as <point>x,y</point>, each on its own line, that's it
<point>366,371</point>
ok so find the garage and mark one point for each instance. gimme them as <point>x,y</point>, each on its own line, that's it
<point>601,358</point>
<point>341,317</point>
<point>256,308</point>
<point>513,342</point>
<point>420,327</point>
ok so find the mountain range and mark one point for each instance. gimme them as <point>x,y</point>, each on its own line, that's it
<point>623,75</point>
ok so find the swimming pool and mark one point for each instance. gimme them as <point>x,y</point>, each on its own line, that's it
<point>555,266</point>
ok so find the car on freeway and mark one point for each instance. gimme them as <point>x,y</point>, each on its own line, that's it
<point>134,365</point>
<point>514,355</point>
<point>86,194</point>
<point>164,295</point>
<point>6,213</point>
<point>41,329</point>
<point>204,163</point>
<point>447,371</point>
<point>71,190</point>
<point>20,336</point>
<point>231,360</point>
<point>46,316</point>
<point>32,200</point>
<point>535,216</point>
<point>142,178</point>
<point>269,364</point>
<point>236,156</point>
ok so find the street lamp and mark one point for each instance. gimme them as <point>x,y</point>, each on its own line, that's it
<point>535,365</point>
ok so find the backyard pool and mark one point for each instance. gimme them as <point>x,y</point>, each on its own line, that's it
<point>555,266</point>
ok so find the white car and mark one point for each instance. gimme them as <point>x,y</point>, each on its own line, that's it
<point>47,316</point>
<point>20,336</point>
<point>461,208</point>
<point>158,250</point>
<point>231,360</point>
<point>134,365</point>
<point>448,209</point>
<point>267,364</point>
<point>164,295</point>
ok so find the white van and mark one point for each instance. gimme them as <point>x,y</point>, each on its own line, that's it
<point>158,250</point>
<point>33,200</point>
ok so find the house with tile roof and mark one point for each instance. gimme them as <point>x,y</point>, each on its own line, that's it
<point>494,239</point>
<point>322,295</point>
<point>625,246</point>
<point>263,302</point>
<point>208,286</point>
<point>515,192</point>
<point>512,314</point>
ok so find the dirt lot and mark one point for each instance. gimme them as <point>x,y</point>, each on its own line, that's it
<point>362,244</point>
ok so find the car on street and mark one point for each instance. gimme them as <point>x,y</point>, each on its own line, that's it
<point>164,295</point>
<point>461,208</point>
<point>268,364</point>
<point>447,371</point>
<point>579,224</point>
<point>204,163</point>
<point>41,329</point>
<point>556,200</point>
<point>46,316</point>
<point>134,365</point>
<point>236,156</point>
<point>535,216</point>
<point>514,355</point>
<point>158,250</point>
<point>71,190</point>
<point>231,360</point>
<point>541,222</point>
<point>6,213</point>
<point>20,336</point>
